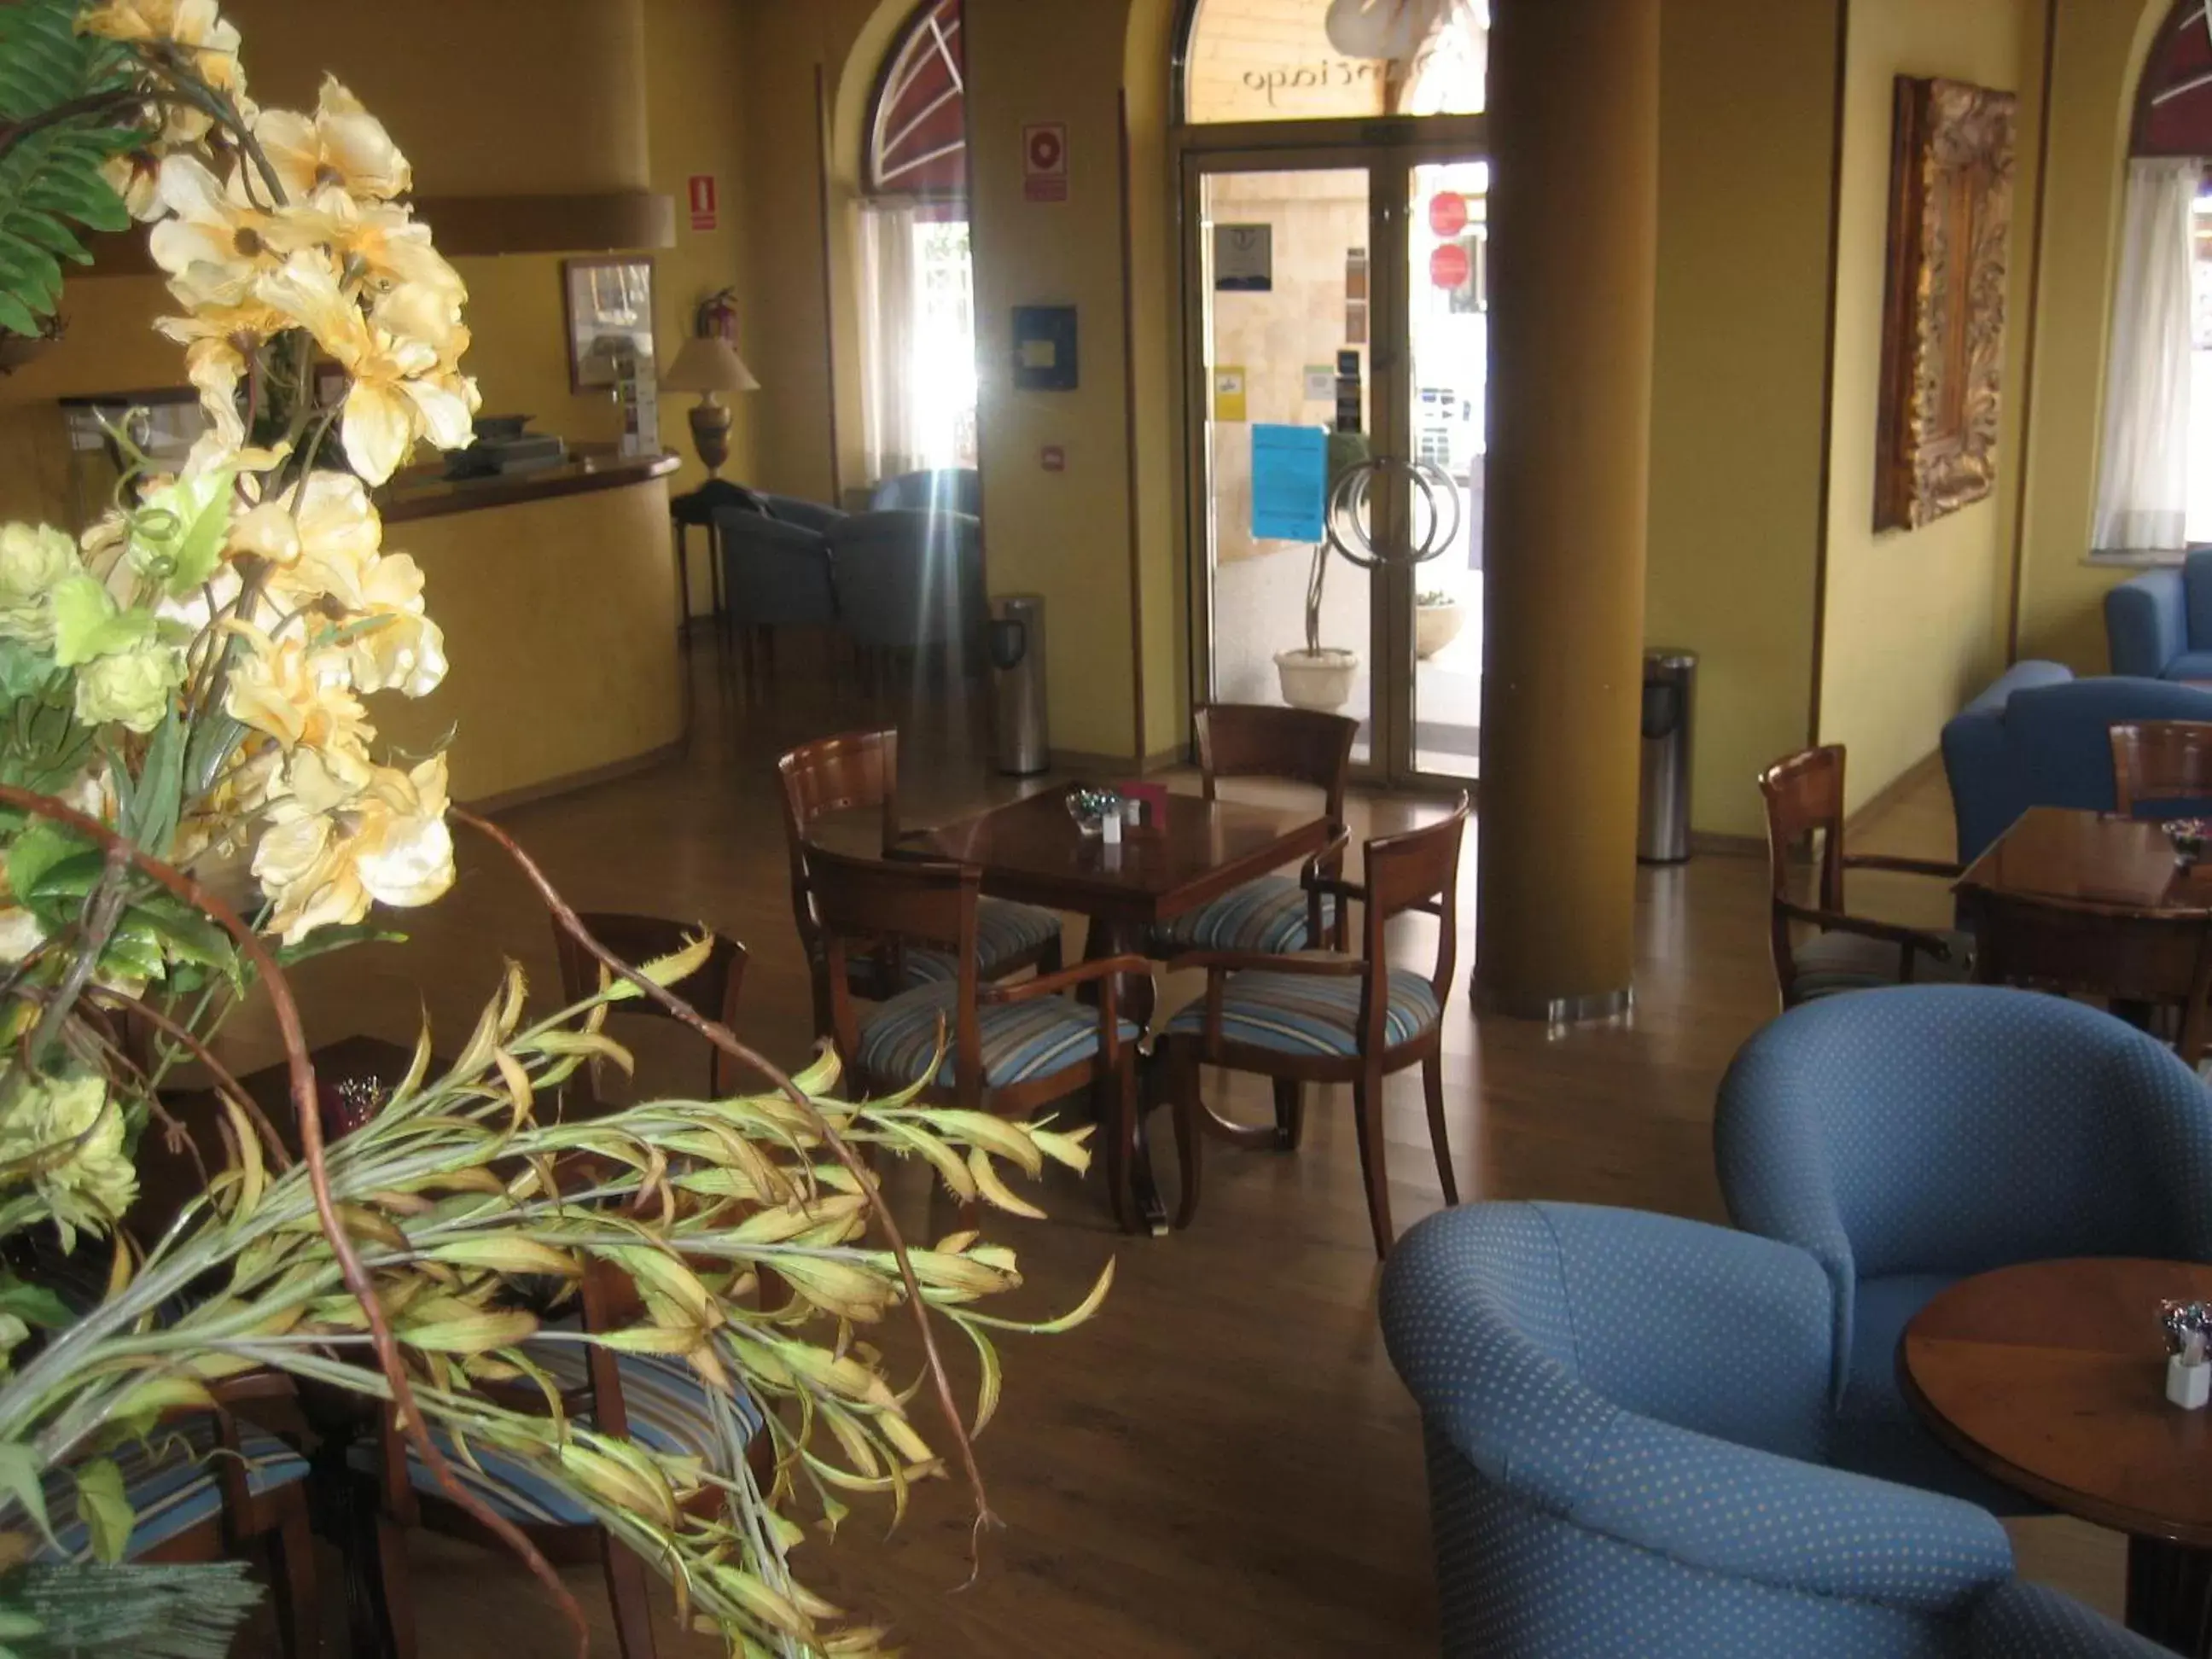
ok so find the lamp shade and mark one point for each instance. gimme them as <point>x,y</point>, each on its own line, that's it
<point>708,363</point>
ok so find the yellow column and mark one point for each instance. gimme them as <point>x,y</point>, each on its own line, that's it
<point>1573,212</point>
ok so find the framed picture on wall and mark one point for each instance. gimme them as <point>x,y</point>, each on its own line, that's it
<point>607,303</point>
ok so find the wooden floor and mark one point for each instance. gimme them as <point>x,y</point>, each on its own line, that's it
<point>1223,1462</point>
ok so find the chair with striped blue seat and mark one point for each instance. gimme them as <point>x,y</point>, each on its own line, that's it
<point>1627,1426</point>
<point>859,771</point>
<point>1002,1048</point>
<point>1274,914</point>
<point>1300,1019</point>
<point>1804,795</point>
<point>204,1486</point>
<point>657,1401</point>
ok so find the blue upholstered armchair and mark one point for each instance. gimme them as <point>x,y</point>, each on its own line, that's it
<point>2160,624</point>
<point>776,564</point>
<point>938,489</point>
<point>2037,738</point>
<point>1626,1416</point>
<point>1908,1137</point>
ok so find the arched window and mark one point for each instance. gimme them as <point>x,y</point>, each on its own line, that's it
<point>1305,60</point>
<point>917,280</point>
<point>2155,486</point>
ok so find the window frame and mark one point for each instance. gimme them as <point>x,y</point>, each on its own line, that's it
<point>919,23</point>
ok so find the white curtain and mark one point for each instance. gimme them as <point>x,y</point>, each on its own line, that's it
<point>2142,492</point>
<point>891,424</point>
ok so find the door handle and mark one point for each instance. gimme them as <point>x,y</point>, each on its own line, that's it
<point>1348,520</point>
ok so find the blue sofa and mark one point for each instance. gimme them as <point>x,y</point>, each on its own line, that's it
<point>1626,1418</point>
<point>1907,1137</point>
<point>2038,738</point>
<point>2160,624</point>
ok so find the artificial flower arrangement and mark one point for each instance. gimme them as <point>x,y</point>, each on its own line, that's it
<point>184,690</point>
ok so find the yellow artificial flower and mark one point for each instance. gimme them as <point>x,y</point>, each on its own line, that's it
<point>399,390</point>
<point>299,696</point>
<point>323,540</point>
<point>215,242</point>
<point>392,246</point>
<point>339,841</point>
<point>195,28</point>
<point>403,650</point>
<point>219,342</point>
<point>70,1135</point>
<point>342,145</point>
<point>134,176</point>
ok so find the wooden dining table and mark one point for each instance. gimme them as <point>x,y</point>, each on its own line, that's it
<point>1031,851</point>
<point>2076,900</point>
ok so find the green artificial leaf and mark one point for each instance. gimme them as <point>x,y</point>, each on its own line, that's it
<point>152,821</point>
<point>20,1471</point>
<point>35,1304</point>
<point>177,537</point>
<point>104,1508</point>
<point>88,623</point>
<point>23,672</point>
<point>188,935</point>
<point>36,850</point>
<point>324,940</point>
<point>49,173</point>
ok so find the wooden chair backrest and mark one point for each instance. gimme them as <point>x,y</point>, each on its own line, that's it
<point>711,990</point>
<point>2160,760</point>
<point>1245,740</point>
<point>880,901</point>
<point>1417,869</point>
<point>851,771</point>
<point>1804,793</point>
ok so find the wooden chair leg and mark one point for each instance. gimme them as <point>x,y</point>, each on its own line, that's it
<point>1183,1085</point>
<point>1367,1116</point>
<point>396,1603</point>
<point>629,1595</point>
<point>1115,1106</point>
<point>1290,1114</point>
<point>292,1584</point>
<point>1432,1086</point>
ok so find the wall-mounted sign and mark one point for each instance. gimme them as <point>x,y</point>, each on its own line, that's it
<point>1290,483</point>
<point>1320,383</point>
<point>1044,162</point>
<point>1355,296</point>
<point>1449,266</point>
<point>1447,213</point>
<point>1230,403</point>
<point>1350,415</point>
<point>700,191</point>
<point>1044,349</point>
<point>1052,458</point>
<point>1244,258</point>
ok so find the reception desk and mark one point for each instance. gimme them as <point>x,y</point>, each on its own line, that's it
<point>557,592</point>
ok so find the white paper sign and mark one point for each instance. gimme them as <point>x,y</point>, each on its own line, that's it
<point>1244,258</point>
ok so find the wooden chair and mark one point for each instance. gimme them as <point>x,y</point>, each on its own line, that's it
<point>860,770</point>
<point>657,1400</point>
<point>711,990</point>
<point>1274,914</point>
<point>1804,796</point>
<point>1330,1019</point>
<point>1008,1050</point>
<point>2162,762</point>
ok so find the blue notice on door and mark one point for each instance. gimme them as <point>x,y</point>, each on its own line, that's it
<point>1290,483</point>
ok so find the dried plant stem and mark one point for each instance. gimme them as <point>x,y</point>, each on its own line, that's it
<point>301,1070</point>
<point>271,1142</point>
<point>726,1040</point>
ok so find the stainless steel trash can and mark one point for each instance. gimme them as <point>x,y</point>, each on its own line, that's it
<point>1662,819</point>
<point>1021,745</point>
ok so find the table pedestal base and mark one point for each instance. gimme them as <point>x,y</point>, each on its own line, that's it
<point>2169,1594</point>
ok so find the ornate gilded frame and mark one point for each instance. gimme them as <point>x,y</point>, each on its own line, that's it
<point>1943,317</point>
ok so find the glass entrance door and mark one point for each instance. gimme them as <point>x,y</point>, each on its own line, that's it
<point>1338,380</point>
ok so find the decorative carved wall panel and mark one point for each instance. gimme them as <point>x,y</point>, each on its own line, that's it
<point>1943,320</point>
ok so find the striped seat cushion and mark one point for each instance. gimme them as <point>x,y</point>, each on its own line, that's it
<point>1021,1040</point>
<point>171,1482</point>
<point>1309,1014</point>
<point>1829,964</point>
<point>1005,934</point>
<point>669,1409</point>
<point>1268,915</point>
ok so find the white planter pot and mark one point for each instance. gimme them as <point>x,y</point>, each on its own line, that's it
<point>1318,679</point>
<point>1436,626</point>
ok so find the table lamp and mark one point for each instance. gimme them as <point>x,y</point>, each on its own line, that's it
<point>709,365</point>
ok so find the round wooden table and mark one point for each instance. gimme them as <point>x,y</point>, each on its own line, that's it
<point>2050,1376</point>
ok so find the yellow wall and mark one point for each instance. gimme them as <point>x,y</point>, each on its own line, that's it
<point>1913,621</point>
<point>1746,125</point>
<point>2101,47</point>
<point>1065,535</point>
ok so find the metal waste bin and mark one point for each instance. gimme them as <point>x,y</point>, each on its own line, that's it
<point>1662,818</point>
<point>1020,744</point>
